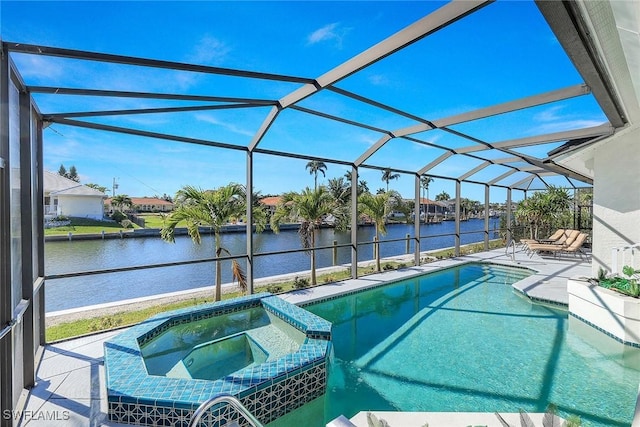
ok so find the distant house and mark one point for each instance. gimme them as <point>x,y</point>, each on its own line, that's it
<point>65,197</point>
<point>142,204</point>
<point>270,203</point>
<point>435,208</point>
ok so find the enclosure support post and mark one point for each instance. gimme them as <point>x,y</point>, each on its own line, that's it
<point>457,232</point>
<point>354,222</point>
<point>416,223</point>
<point>509,216</point>
<point>249,225</point>
<point>486,217</point>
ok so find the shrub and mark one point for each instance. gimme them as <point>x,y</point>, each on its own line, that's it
<point>627,285</point>
<point>125,223</point>
<point>300,282</point>
<point>105,323</point>
<point>118,216</point>
<point>274,289</point>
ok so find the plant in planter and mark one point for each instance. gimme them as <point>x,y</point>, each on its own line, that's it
<point>627,285</point>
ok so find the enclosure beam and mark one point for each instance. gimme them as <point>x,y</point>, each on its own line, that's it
<point>144,62</point>
<point>501,177</point>
<point>436,162</point>
<point>532,101</point>
<point>474,171</point>
<point>591,132</point>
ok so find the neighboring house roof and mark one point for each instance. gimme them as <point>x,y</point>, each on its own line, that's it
<point>424,201</point>
<point>271,201</point>
<point>58,185</point>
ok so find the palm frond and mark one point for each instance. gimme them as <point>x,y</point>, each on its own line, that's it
<point>525,419</point>
<point>502,421</point>
<point>238,274</point>
<point>550,419</point>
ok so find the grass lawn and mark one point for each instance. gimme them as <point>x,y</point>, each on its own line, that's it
<point>153,220</point>
<point>85,226</point>
<point>92,226</point>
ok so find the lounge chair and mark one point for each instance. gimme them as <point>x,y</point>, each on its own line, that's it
<point>574,246</point>
<point>554,237</point>
<point>566,239</point>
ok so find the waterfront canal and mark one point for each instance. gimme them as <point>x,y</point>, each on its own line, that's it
<point>63,257</point>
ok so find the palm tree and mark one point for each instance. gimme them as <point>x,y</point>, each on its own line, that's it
<point>314,167</point>
<point>425,180</point>
<point>466,206</point>
<point>211,208</point>
<point>309,207</point>
<point>362,184</point>
<point>388,175</point>
<point>377,208</point>
<point>120,201</point>
<point>362,187</point>
<point>443,197</point>
<point>543,209</point>
<point>340,191</point>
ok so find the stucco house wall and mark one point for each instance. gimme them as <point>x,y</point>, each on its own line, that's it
<point>80,206</point>
<point>69,198</point>
<point>616,198</point>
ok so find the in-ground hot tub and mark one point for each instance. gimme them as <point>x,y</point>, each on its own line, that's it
<point>268,353</point>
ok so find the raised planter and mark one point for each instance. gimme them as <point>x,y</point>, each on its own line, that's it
<point>615,314</point>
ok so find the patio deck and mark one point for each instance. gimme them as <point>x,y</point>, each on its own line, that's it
<point>70,387</point>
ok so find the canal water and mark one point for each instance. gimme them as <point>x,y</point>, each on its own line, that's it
<point>64,257</point>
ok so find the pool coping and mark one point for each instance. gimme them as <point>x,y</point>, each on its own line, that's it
<point>308,296</point>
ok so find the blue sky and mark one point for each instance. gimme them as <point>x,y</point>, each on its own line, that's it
<point>479,61</point>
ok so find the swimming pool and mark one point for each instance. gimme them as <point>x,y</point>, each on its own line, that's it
<point>463,340</point>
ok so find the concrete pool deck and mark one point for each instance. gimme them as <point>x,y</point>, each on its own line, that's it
<point>70,388</point>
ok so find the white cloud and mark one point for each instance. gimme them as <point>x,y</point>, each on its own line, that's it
<point>209,50</point>
<point>39,67</point>
<point>552,120</point>
<point>563,125</point>
<point>330,32</point>
<point>548,115</point>
<point>378,80</point>
<point>227,125</point>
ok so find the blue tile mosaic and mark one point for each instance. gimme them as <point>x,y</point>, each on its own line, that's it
<point>269,390</point>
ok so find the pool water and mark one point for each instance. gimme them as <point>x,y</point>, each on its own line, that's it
<point>462,340</point>
<point>215,347</point>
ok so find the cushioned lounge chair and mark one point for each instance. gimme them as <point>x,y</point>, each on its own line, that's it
<point>554,237</point>
<point>574,247</point>
<point>566,239</point>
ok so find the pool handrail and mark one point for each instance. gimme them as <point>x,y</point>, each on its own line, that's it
<point>223,398</point>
